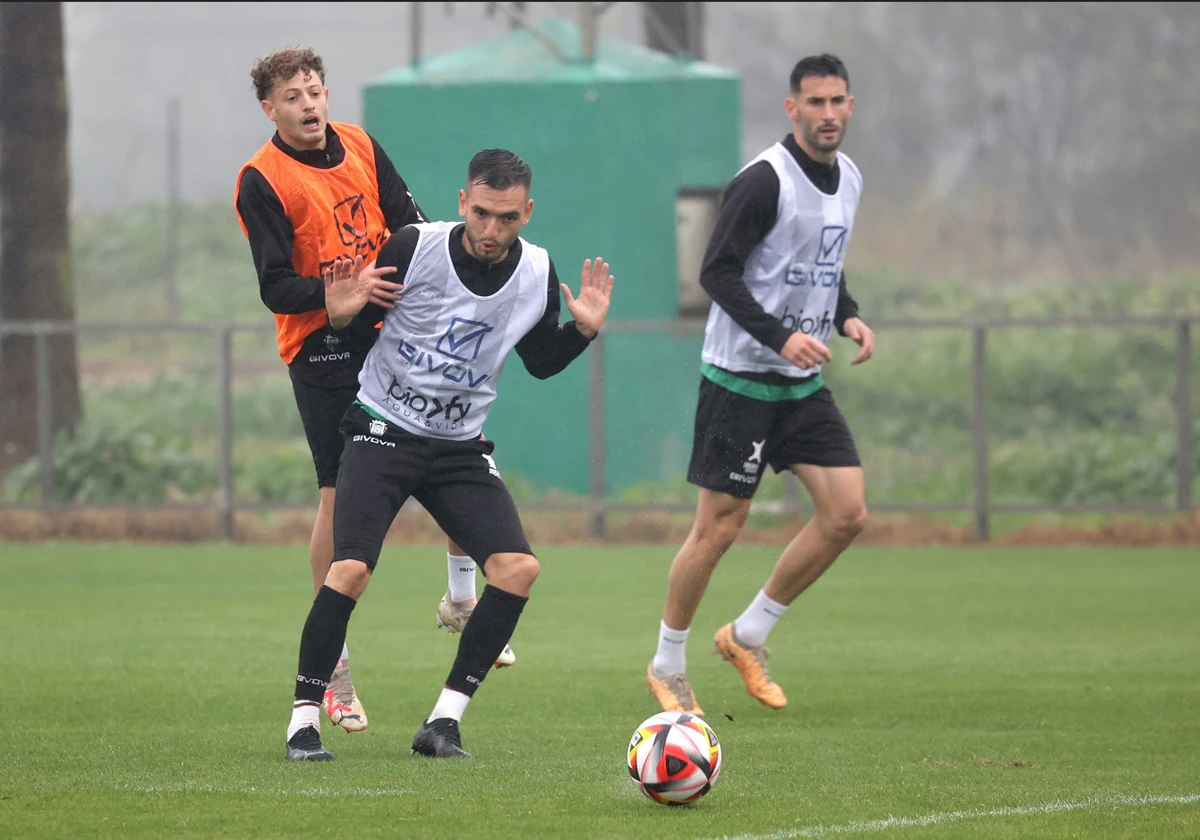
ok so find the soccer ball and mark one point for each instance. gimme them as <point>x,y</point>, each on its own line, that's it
<point>674,758</point>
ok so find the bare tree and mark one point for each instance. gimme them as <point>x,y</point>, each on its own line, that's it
<point>675,27</point>
<point>35,268</point>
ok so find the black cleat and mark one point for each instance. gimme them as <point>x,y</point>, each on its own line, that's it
<point>439,739</point>
<point>305,745</point>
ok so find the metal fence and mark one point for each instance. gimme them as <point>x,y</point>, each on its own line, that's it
<point>598,503</point>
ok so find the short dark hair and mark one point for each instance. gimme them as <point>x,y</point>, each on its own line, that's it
<point>281,65</point>
<point>818,65</point>
<point>499,169</point>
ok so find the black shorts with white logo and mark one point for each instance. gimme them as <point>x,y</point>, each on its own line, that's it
<point>737,437</point>
<point>456,481</point>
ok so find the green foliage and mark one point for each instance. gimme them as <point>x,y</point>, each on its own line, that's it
<point>119,256</point>
<point>1074,413</point>
<point>282,474</point>
<point>118,463</point>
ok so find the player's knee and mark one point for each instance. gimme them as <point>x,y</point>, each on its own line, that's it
<point>722,529</point>
<point>846,521</point>
<point>512,572</point>
<point>350,577</point>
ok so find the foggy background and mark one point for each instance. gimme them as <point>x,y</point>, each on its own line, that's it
<point>1025,138</point>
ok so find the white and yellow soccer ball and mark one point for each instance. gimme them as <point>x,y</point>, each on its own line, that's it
<point>674,758</point>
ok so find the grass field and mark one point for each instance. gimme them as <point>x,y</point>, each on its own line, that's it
<point>933,694</point>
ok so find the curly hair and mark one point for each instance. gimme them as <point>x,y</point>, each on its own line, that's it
<point>281,65</point>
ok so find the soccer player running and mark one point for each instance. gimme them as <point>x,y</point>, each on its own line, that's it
<point>314,192</point>
<point>472,292</point>
<point>773,268</point>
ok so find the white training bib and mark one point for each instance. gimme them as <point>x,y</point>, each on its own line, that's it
<point>795,271</point>
<point>441,350</point>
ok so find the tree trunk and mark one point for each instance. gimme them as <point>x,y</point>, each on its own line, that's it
<point>35,267</point>
<point>675,27</point>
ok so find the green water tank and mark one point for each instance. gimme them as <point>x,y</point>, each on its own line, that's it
<point>629,151</point>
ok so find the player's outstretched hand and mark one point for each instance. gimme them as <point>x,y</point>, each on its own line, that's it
<point>595,289</point>
<point>384,293</point>
<point>862,335</point>
<point>804,351</point>
<point>349,287</point>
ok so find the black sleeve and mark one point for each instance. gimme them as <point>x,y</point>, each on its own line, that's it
<point>397,251</point>
<point>847,306</point>
<point>399,207</point>
<point>270,232</point>
<point>748,212</point>
<point>549,347</point>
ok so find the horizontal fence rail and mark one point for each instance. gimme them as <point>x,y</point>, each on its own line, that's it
<point>598,505</point>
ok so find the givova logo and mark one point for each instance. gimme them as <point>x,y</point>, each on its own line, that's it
<point>353,230</point>
<point>826,268</point>
<point>832,248</point>
<point>463,339</point>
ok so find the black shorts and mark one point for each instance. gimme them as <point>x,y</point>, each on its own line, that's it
<point>456,481</point>
<point>322,407</point>
<point>736,437</point>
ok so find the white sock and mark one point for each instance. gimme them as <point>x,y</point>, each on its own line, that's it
<point>450,704</point>
<point>304,714</point>
<point>671,657</point>
<point>754,625</point>
<point>461,574</point>
<point>345,653</point>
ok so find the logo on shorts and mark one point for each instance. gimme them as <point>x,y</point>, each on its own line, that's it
<point>491,465</point>
<point>332,352</point>
<point>754,462</point>
<point>377,427</point>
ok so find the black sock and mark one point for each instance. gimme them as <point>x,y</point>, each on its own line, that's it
<point>491,626</point>
<point>321,642</point>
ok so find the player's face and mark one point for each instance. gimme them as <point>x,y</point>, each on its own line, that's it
<point>494,219</point>
<point>299,107</point>
<point>820,111</point>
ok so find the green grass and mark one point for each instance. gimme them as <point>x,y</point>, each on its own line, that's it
<point>148,688</point>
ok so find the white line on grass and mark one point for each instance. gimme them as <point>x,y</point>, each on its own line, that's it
<point>257,791</point>
<point>952,816</point>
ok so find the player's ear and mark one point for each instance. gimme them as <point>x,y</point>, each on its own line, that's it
<point>268,109</point>
<point>462,203</point>
<point>528,211</point>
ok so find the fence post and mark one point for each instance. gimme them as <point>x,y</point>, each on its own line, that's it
<point>598,483</point>
<point>1183,407</point>
<point>224,336</point>
<point>42,350</point>
<point>979,431</point>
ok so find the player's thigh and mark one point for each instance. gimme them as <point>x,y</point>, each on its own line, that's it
<point>812,431</point>
<point>321,411</point>
<point>379,471</point>
<point>468,499</point>
<point>730,441</point>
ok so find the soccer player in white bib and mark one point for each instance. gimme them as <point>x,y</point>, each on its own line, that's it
<point>472,291</point>
<point>773,268</point>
